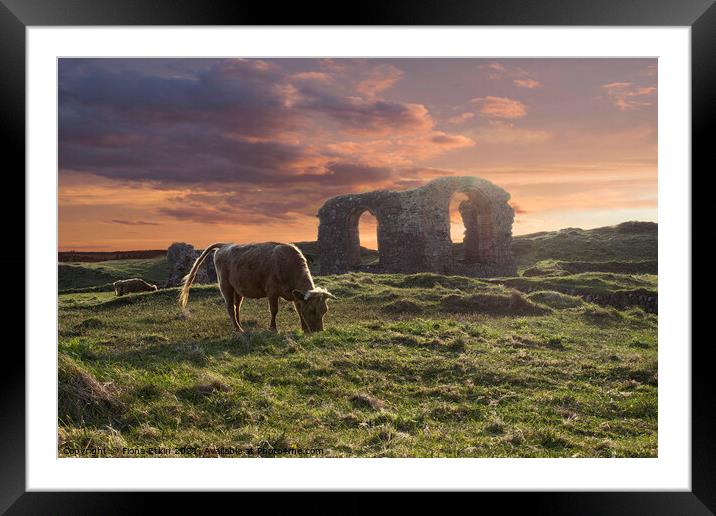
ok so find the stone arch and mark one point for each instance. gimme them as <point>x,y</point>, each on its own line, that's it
<point>414,229</point>
<point>352,251</point>
<point>479,237</point>
<point>338,231</point>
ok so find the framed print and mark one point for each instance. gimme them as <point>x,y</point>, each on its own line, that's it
<point>422,249</point>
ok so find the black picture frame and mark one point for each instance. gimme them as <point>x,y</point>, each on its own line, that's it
<point>17,15</point>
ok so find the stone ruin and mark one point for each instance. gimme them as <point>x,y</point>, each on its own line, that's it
<point>181,257</point>
<point>414,230</point>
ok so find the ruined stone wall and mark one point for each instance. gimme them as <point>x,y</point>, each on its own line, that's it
<point>181,257</point>
<point>414,229</point>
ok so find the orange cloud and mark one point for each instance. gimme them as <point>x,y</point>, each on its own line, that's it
<point>399,150</point>
<point>527,83</point>
<point>498,71</point>
<point>495,71</point>
<point>627,96</point>
<point>381,78</point>
<point>451,141</point>
<point>500,107</point>
<point>462,117</point>
<point>312,76</point>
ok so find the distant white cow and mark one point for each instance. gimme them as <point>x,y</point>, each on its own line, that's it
<point>128,286</point>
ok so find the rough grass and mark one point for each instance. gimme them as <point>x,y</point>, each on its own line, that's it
<point>508,303</point>
<point>586,283</point>
<point>399,372</point>
<point>555,299</point>
<point>565,268</point>
<point>83,400</point>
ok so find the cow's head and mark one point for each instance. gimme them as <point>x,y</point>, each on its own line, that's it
<point>312,306</point>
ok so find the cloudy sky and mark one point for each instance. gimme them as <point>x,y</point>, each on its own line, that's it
<point>153,151</point>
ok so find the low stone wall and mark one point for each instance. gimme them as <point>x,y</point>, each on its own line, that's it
<point>626,299</point>
<point>620,299</point>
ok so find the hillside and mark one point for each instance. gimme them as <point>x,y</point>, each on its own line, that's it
<point>625,242</point>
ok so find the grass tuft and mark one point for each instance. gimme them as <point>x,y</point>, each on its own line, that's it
<point>83,400</point>
<point>367,401</point>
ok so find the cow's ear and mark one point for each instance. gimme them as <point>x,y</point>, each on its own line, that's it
<point>298,295</point>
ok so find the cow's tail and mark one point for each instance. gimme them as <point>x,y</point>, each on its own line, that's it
<point>189,278</point>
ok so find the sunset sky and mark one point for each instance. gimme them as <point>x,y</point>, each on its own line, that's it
<point>155,151</point>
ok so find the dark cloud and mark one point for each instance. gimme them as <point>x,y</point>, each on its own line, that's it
<point>238,207</point>
<point>350,174</point>
<point>219,125</point>
<point>224,122</point>
<point>367,116</point>
<point>232,95</point>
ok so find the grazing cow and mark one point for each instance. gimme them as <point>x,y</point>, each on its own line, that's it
<point>127,286</point>
<point>269,270</point>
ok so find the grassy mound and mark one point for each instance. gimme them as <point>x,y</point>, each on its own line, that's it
<point>565,268</point>
<point>513,303</point>
<point>545,268</point>
<point>83,400</point>
<point>555,299</point>
<point>583,284</point>
<point>403,306</point>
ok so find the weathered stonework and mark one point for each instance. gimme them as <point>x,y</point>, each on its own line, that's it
<point>181,257</point>
<point>414,229</point>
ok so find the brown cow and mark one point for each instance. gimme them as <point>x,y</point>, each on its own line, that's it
<point>270,270</point>
<point>128,286</point>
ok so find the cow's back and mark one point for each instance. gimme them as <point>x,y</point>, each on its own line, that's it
<point>252,269</point>
<point>289,265</point>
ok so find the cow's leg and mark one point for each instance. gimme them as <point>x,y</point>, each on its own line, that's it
<point>227,291</point>
<point>273,307</point>
<point>237,309</point>
<point>304,326</point>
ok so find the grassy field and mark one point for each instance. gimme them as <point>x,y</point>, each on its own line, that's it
<point>415,365</point>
